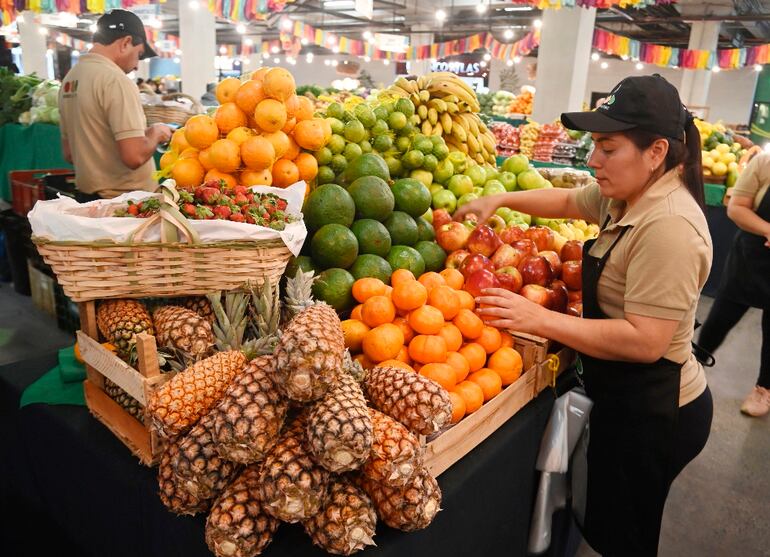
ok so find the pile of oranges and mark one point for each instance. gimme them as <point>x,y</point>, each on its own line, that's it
<point>259,135</point>
<point>429,326</point>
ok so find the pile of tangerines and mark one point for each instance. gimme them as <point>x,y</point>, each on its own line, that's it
<point>429,326</point>
<point>259,135</point>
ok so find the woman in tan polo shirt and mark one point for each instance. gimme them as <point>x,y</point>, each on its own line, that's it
<point>746,278</point>
<point>641,283</point>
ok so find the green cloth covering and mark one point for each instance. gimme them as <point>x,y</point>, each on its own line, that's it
<point>61,385</point>
<point>33,147</point>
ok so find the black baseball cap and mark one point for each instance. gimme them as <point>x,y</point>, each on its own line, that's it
<point>122,23</point>
<point>646,102</point>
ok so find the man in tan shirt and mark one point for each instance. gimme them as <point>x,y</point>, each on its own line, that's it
<point>103,128</point>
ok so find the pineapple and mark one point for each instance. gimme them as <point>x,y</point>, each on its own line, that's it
<point>120,321</point>
<point>410,507</point>
<point>248,421</point>
<point>172,494</point>
<point>125,400</point>
<point>346,523</point>
<point>292,487</point>
<point>184,330</point>
<point>238,525</point>
<point>396,453</point>
<point>339,429</point>
<point>181,401</point>
<point>198,467</point>
<point>199,304</point>
<point>419,403</point>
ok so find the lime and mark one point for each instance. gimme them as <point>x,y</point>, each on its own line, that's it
<point>366,147</point>
<point>381,113</point>
<point>365,115</point>
<point>334,245</point>
<point>323,156</point>
<point>301,262</point>
<point>373,198</point>
<point>412,159</point>
<point>397,120</point>
<point>339,163</point>
<point>382,143</point>
<point>402,144</point>
<point>335,286</point>
<point>394,166</point>
<point>328,204</point>
<point>336,144</point>
<point>389,107</point>
<point>380,127</point>
<point>372,237</point>
<point>423,176</point>
<point>440,151</point>
<point>369,265</point>
<point>423,144</point>
<point>425,230</point>
<point>405,106</point>
<point>348,116</point>
<point>325,175</point>
<point>368,164</point>
<point>437,140</point>
<point>354,131</point>
<point>335,110</point>
<point>407,131</point>
<point>338,126</point>
<point>430,162</point>
<point>402,229</point>
<point>352,151</point>
<point>432,254</point>
<point>405,257</point>
<point>412,197</point>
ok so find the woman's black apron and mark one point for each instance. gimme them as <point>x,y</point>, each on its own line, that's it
<point>746,277</point>
<point>632,436</point>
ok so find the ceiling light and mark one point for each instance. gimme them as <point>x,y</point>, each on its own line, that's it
<point>287,24</point>
<point>89,46</point>
<point>156,23</point>
<point>516,59</point>
<point>49,52</point>
<point>367,59</point>
<point>481,7</point>
<point>304,41</point>
<point>335,63</point>
<point>93,27</point>
<point>518,9</point>
<point>605,65</point>
<point>339,4</point>
<point>222,50</point>
<point>508,34</point>
<point>246,61</point>
<point>757,67</point>
<point>537,24</point>
<point>331,40</point>
<point>367,35</point>
<point>327,62</point>
<point>509,63</point>
<point>193,4</point>
<point>716,69</point>
<point>483,64</point>
<point>177,59</point>
<point>336,50</point>
<point>43,30</point>
<point>249,42</point>
<point>76,53</point>
<point>487,57</point>
<point>639,66</point>
<point>275,50</point>
<point>240,28</point>
<point>20,18</point>
<point>265,56</point>
<point>595,56</point>
<point>386,62</point>
<point>440,15</point>
<point>178,52</point>
<point>276,60</point>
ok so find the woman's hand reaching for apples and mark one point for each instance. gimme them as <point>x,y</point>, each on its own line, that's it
<point>506,310</point>
<point>482,208</point>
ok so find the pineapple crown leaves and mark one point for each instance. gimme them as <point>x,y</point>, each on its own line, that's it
<point>299,292</point>
<point>265,309</point>
<point>352,367</point>
<point>231,319</point>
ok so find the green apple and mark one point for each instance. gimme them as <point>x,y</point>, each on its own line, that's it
<point>460,184</point>
<point>531,180</point>
<point>428,215</point>
<point>524,217</point>
<point>444,171</point>
<point>422,176</point>
<point>509,180</point>
<point>505,212</point>
<point>477,174</point>
<point>478,191</point>
<point>458,160</point>
<point>445,199</point>
<point>516,164</point>
<point>492,172</point>
<point>467,198</point>
<point>493,187</point>
<point>435,187</point>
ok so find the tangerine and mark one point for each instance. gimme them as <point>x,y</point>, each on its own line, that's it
<point>204,156</point>
<point>257,153</point>
<point>400,275</point>
<point>280,142</point>
<point>256,178</point>
<point>507,363</point>
<point>403,355</point>
<point>443,374</point>
<point>289,125</point>
<point>452,336</point>
<point>225,155</point>
<point>228,117</point>
<point>383,342</point>
<point>364,360</point>
<point>365,288</point>
<point>240,134</point>
<point>506,339</point>
<point>474,354</point>
<point>307,166</point>
<point>490,339</point>
<point>354,332</point>
<point>377,310</point>
<point>293,150</point>
<point>472,394</point>
<point>427,349</point>
<point>396,363</point>
<point>279,84</point>
<point>453,278</point>
<point>458,407</point>
<point>248,96</point>
<point>270,115</point>
<point>304,109</point>
<point>189,153</point>
<point>355,313</point>
<point>226,89</point>
<point>408,294</point>
<point>470,324</point>
<point>200,131</point>
<point>467,301</point>
<point>310,134</point>
<point>431,280</point>
<point>426,320</point>
<point>446,300</point>
<point>403,324</point>
<point>490,382</point>
<point>285,173</point>
<point>459,364</point>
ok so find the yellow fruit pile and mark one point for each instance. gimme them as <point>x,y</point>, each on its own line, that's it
<point>259,135</point>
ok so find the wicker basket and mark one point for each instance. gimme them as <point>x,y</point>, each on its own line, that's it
<point>160,114</point>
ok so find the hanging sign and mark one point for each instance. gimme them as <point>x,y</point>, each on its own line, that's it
<point>391,43</point>
<point>365,8</point>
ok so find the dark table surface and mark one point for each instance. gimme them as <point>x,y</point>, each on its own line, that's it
<point>77,490</point>
<point>722,231</point>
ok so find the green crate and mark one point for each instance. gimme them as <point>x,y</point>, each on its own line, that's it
<point>715,194</point>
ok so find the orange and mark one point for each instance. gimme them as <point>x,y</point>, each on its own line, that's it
<point>506,339</point>
<point>228,117</point>
<point>248,96</point>
<point>257,153</point>
<point>289,125</point>
<point>280,142</point>
<point>307,166</point>
<point>452,336</point>
<point>507,363</point>
<point>453,278</point>
<point>378,310</point>
<point>427,349</point>
<point>225,155</point>
<point>188,173</point>
<point>354,332</point>
<point>408,294</point>
<point>401,275</point>
<point>396,363</point>
<point>490,382</point>
<point>445,299</point>
<point>472,394</point>
<point>355,313</point>
<point>430,280</point>
<point>474,354</point>
<point>403,324</point>
<point>388,290</point>
<point>365,362</point>
<point>179,141</point>
<point>279,84</point>
<point>310,134</point>
<point>443,374</point>
<point>459,364</point>
<point>204,156</point>
<point>383,342</point>
<point>259,75</point>
<point>304,109</point>
<point>467,301</point>
<point>285,173</point>
<point>470,324</point>
<point>490,339</point>
<point>256,178</point>
<point>240,134</point>
<point>200,131</point>
<point>167,159</point>
<point>214,174</point>
<point>270,115</point>
<point>227,89</point>
<point>293,150</point>
<point>403,355</point>
<point>292,104</point>
<point>458,407</point>
<point>426,320</point>
<point>365,288</point>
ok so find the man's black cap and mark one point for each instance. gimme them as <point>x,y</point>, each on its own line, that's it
<point>646,102</point>
<point>122,23</point>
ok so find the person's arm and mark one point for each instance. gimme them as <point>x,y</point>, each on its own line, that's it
<point>740,210</point>
<point>66,151</point>
<point>548,203</point>
<point>135,151</point>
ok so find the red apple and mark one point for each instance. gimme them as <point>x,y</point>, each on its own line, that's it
<point>510,278</point>
<point>496,223</point>
<point>535,269</point>
<point>572,274</point>
<point>452,236</point>
<point>575,308</point>
<point>541,235</point>
<point>575,295</point>
<point>483,240</point>
<point>510,234</point>
<point>456,258</point>
<point>525,245</point>
<point>506,256</point>
<point>440,218</point>
<point>553,259</point>
<point>475,262</point>
<point>536,293</point>
<point>478,281</point>
<point>572,250</point>
<point>559,296</point>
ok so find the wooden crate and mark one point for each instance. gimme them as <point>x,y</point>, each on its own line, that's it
<point>42,289</point>
<point>442,451</point>
<point>140,438</point>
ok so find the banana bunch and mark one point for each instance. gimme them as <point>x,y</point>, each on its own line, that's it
<point>446,106</point>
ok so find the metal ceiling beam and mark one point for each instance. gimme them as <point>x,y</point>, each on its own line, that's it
<point>685,19</point>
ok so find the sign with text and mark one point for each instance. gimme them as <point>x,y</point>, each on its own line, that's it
<point>470,67</point>
<point>391,43</point>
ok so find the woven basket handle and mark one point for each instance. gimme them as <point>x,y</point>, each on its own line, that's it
<point>197,106</point>
<point>172,221</point>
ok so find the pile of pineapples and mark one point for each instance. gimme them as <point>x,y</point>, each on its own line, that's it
<point>271,421</point>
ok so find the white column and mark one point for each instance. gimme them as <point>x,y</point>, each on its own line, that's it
<point>33,45</point>
<point>420,67</point>
<point>197,35</point>
<point>143,69</point>
<point>704,35</point>
<point>562,62</point>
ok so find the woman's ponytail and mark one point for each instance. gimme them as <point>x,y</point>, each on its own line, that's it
<point>693,169</point>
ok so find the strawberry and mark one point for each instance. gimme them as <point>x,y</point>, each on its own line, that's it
<point>250,197</point>
<point>240,199</point>
<point>222,212</point>
<point>188,210</point>
<point>133,210</point>
<point>209,196</point>
<point>282,204</point>
<point>250,218</point>
<point>240,189</point>
<point>238,217</point>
